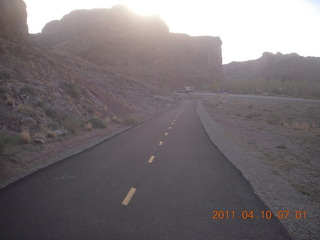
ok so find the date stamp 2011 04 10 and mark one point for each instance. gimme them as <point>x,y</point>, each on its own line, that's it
<point>282,214</point>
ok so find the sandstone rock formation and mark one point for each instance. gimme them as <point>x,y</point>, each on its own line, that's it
<point>275,66</point>
<point>13,20</point>
<point>137,46</point>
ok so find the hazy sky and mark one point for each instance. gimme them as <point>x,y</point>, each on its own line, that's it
<point>247,28</point>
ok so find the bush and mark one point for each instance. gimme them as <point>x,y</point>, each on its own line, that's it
<point>26,109</point>
<point>273,119</point>
<point>72,124</point>
<point>71,89</point>
<point>51,134</point>
<point>8,142</point>
<point>29,90</point>
<point>5,74</point>
<point>51,113</point>
<point>10,102</point>
<point>88,126</point>
<point>97,122</point>
<point>25,136</point>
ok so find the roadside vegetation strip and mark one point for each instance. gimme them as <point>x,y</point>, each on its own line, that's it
<point>127,199</point>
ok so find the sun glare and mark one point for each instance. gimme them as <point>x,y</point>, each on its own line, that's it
<point>256,26</point>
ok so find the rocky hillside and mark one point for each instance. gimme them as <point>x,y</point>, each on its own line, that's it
<point>13,20</point>
<point>45,94</point>
<point>137,46</point>
<point>275,66</point>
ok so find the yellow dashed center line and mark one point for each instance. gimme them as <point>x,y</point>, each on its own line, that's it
<point>170,127</point>
<point>129,196</point>
<point>160,143</point>
<point>151,159</point>
<point>166,134</point>
<point>172,123</point>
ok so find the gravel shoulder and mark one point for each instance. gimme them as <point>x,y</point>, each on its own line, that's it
<point>282,169</point>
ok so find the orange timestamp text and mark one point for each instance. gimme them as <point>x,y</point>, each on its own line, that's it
<point>282,214</point>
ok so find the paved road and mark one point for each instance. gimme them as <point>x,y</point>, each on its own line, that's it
<point>160,180</point>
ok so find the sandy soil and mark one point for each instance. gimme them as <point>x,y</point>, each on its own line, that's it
<point>285,135</point>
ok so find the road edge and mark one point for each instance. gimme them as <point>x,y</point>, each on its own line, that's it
<point>79,149</point>
<point>257,173</point>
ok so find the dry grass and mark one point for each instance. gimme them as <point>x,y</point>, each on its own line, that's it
<point>117,119</point>
<point>51,134</point>
<point>262,125</point>
<point>303,126</point>
<point>26,109</point>
<point>88,126</point>
<point>10,102</point>
<point>25,136</point>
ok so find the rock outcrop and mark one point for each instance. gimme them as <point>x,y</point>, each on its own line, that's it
<point>137,46</point>
<point>275,66</point>
<point>13,20</point>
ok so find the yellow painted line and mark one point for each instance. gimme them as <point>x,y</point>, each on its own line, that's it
<point>170,127</point>
<point>151,159</point>
<point>129,196</point>
<point>166,134</point>
<point>160,143</point>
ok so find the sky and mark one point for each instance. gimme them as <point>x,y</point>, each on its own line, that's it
<point>247,28</point>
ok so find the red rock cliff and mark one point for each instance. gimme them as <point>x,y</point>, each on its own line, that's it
<point>13,20</point>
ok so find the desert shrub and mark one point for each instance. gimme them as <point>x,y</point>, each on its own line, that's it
<point>97,122</point>
<point>117,119</point>
<point>88,126</point>
<point>130,120</point>
<point>3,90</point>
<point>25,136</point>
<point>51,134</point>
<point>5,74</point>
<point>304,126</point>
<point>8,142</point>
<point>72,124</point>
<point>253,115</point>
<point>10,101</point>
<point>273,119</point>
<point>51,113</point>
<point>71,89</point>
<point>26,109</point>
<point>90,111</point>
<point>29,90</point>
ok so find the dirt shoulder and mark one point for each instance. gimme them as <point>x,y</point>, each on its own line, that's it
<point>275,143</point>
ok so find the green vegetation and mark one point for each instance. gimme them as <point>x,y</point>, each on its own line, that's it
<point>51,113</point>
<point>97,122</point>
<point>8,142</point>
<point>27,109</point>
<point>29,90</point>
<point>5,74</point>
<point>71,89</point>
<point>72,124</point>
<point>272,87</point>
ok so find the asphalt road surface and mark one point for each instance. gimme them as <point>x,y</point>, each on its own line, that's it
<point>163,179</point>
